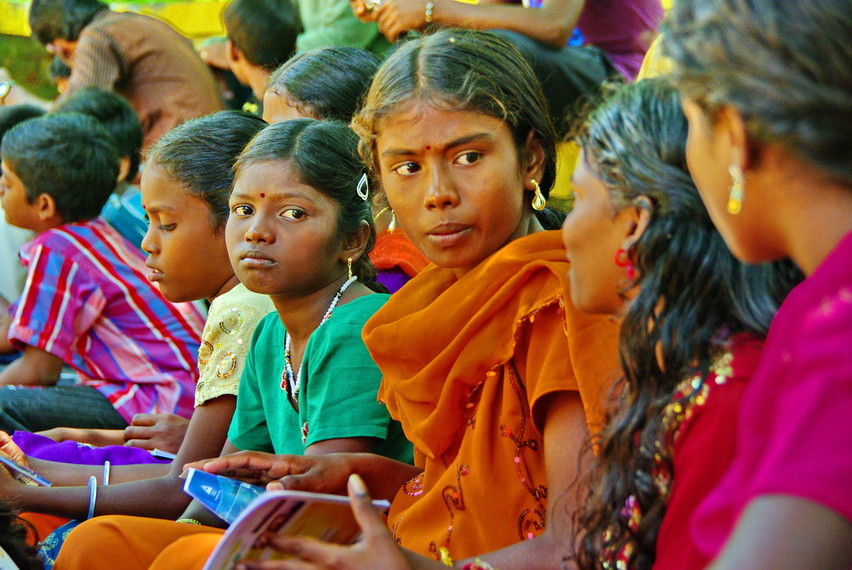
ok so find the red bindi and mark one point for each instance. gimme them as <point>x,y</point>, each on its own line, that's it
<point>262,195</point>
<point>428,147</point>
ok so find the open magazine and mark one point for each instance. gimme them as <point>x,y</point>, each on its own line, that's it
<point>326,517</point>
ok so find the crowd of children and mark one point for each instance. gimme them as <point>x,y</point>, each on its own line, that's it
<point>656,378</point>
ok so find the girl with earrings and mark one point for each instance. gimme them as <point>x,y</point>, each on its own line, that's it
<point>299,230</point>
<point>766,88</point>
<point>691,333</point>
<point>496,378</point>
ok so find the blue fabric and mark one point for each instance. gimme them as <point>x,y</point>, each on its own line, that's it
<point>126,215</point>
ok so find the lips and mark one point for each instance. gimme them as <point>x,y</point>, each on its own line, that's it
<point>154,274</point>
<point>448,234</point>
<point>256,259</point>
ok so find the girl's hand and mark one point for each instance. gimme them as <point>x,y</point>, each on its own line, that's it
<point>396,17</point>
<point>316,473</point>
<point>376,549</point>
<point>10,449</point>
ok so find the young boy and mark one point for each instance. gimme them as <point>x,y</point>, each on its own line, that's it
<point>123,209</point>
<point>86,303</point>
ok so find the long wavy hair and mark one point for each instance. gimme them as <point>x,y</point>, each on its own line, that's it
<point>692,296</point>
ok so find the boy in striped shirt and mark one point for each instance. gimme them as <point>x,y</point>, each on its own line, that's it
<point>86,303</point>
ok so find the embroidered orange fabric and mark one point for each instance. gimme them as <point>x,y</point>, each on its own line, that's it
<point>465,363</point>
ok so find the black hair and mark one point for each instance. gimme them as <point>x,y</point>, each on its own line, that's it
<point>325,156</point>
<point>326,83</point>
<point>13,539</point>
<point>463,70</point>
<point>11,115</point>
<point>68,156</point>
<point>62,19</point>
<point>115,114</point>
<point>59,69</point>
<point>200,155</point>
<point>264,30</point>
<point>783,65</point>
<point>693,295</point>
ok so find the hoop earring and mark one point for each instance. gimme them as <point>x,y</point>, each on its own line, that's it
<point>735,197</point>
<point>622,259</point>
<point>349,268</point>
<point>538,201</point>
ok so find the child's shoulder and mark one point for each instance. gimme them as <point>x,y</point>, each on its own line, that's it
<point>359,309</point>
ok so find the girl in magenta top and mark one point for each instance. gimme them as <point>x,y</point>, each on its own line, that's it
<point>766,92</point>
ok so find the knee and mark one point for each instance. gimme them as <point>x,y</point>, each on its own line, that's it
<point>93,544</point>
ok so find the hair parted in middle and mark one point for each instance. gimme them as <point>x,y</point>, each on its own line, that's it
<point>461,70</point>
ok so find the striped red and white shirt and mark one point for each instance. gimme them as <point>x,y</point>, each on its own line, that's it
<point>87,301</point>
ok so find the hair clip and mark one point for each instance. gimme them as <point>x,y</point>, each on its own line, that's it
<point>363,188</point>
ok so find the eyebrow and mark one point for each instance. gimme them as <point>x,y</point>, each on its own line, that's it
<point>391,152</point>
<point>158,207</point>
<point>271,196</point>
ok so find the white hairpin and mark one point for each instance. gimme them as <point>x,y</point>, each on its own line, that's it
<point>363,188</point>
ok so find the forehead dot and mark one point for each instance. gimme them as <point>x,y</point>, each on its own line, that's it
<point>263,195</point>
<point>428,147</point>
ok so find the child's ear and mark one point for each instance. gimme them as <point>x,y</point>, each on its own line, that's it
<point>355,245</point>
<point>532,161</point>
<point>637,217</point>
<point>232,52</point>
<point>46,207</point>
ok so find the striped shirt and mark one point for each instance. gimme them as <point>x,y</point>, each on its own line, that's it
<point>87,301</point>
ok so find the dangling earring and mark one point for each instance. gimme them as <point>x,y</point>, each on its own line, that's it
<point>392,224</point>
<point>622,259</point>
<point>735,197</point>
<point>538,201</point>
<point>349,263</point>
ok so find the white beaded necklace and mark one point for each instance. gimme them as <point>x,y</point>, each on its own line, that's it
<point>294,380</point>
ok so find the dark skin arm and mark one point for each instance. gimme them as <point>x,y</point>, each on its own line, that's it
<point>564,433</point>
<point>782,531</point>
<point>35,367</point>
<point>551,24</point>
<point>129,491</point>
<point>202,514</point>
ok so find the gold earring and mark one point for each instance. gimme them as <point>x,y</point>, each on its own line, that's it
<point>392,224</point>
<point>349,263</point>
<point>735,197</point>
<point>538,201</point>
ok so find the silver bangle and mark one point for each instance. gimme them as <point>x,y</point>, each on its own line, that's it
<point>430,6</point>
<point>93,495</point>
<point>106,473</point>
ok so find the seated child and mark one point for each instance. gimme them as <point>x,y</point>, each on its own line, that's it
<point>123,210</point>
<point>298,231</point>
<point>185,188</point>
<point>87,303</point>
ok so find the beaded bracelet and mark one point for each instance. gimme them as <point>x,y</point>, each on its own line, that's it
<point>93,495</point>
<point>189,521</point>
<point>106,473</point>
<point>478,564</point>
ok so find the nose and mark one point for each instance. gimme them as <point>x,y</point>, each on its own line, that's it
<point>149,242</point>
<point>441,193</point>
<point>258,231</point>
